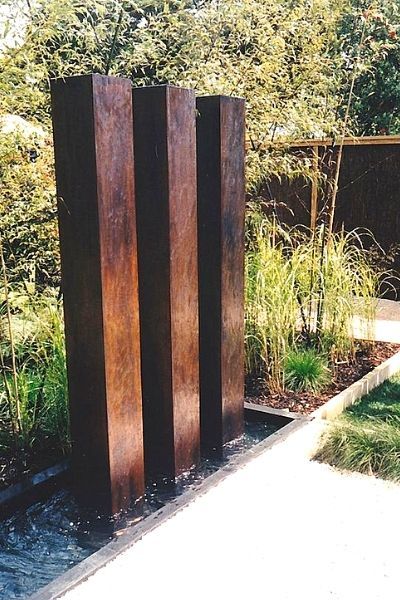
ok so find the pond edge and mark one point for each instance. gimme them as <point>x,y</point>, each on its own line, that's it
<point>89,566</point>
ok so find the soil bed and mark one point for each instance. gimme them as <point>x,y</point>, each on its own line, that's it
<point>345,373</point>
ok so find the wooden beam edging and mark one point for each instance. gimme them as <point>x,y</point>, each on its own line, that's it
<point>368,140</point>
<point>92,123</point>
<point>372,140</point>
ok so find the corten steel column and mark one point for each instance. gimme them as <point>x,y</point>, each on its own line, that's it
<point>165,175</point>
<point>221,205</point>
<point>92,118</point>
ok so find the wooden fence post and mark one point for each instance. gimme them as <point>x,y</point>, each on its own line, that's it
<point>314,189</point>
<point>165,174</point>
<point>92,118</point>
<point>221,204</point>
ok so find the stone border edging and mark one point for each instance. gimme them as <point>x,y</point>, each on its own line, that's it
<point>336,405</point>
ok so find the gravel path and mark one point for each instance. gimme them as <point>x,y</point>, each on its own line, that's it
<point>281,528</point>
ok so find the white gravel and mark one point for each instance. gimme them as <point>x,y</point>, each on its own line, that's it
<point>281,528</point>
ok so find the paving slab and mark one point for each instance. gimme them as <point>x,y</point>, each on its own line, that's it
<point>386,327</point>
<point>282,528</point>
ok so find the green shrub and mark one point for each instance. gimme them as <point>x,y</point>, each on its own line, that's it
<point>28,214</point>
<point>305,371</point>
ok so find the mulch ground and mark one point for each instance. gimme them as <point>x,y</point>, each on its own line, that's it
<point>345,373</point>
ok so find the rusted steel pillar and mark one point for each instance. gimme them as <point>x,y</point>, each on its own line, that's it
<point>165,174</point>
<point>221,204</point>
<point>92,119</point>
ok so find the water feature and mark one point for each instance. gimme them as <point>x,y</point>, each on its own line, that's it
<point>42,542</point>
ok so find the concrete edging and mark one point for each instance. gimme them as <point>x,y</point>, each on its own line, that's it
<point>336,405</point>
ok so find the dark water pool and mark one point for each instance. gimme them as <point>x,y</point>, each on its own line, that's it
<point>40,543</point>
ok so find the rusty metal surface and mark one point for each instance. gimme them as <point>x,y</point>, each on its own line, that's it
<point>92,118</point>
<point>221,205</point>
<point>165,171</point>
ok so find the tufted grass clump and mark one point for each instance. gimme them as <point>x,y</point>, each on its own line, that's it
<point>271,304</point>
<point>366,438</point>
<point>306,371</point>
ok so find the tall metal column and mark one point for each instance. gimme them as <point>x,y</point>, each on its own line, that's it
<point>221,204</point>
<point>165,173</point>
<point>92,118</point>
